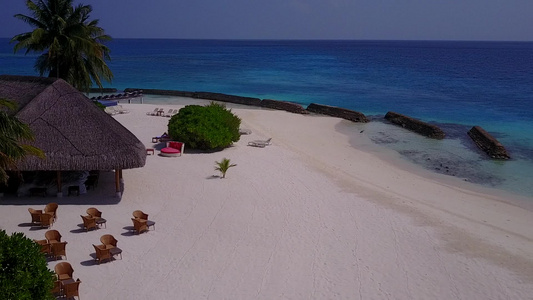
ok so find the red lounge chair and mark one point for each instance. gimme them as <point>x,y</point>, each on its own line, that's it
<point>173,149</point>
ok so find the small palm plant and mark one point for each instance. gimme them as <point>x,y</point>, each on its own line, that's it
<point>223,166</point>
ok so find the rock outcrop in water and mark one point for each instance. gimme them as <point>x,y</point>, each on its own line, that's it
<point>337,112</point>
<point>164,92</point>
<point>283,105</point>
<point>415,125</point>
<point>204,95</point>
<point>488,143</point>
<point>227,98</point>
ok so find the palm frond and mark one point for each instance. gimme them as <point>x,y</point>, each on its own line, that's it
<point>72,43</point>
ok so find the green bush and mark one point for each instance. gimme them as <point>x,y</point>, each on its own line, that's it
<point>100,105</point>
<point>209,127</point>
<point>23,270</point>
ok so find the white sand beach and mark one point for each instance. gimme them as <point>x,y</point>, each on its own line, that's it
<point>308,217</point>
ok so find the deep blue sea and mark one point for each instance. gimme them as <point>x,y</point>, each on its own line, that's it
<point>455,85</point>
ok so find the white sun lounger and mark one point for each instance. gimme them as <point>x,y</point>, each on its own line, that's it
<point>110,110</point>
<point>260,143</point>
<point>121,109</point>
<point>153,113</point>
<point>170,113</point>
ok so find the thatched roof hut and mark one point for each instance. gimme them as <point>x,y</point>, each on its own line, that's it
<point>73,132</point>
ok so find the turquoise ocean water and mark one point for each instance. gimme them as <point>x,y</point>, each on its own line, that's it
<point>454,85</point>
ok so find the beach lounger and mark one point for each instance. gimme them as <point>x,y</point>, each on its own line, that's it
<point>163,114</point>
<point>171,113</point>
<point>243,131</point>
<point>153,113</point>
<point>110,110</point>
<point>160,112</point>
<point>121,109</point>
<point>173,149</point>
<point>260,143</point>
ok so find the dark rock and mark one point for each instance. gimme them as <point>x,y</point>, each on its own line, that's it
<point>337,112</point>
<point>415,125</point>
<point>161,92</point>
<point>227,98</point>
<point>283,105</point>
<point>487,143</point>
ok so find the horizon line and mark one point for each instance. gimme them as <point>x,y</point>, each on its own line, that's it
<point>317,39</point>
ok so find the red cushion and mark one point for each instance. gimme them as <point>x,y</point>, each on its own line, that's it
<point>170,150</point>
<point>176,145</point>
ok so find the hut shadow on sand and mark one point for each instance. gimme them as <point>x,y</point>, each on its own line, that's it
<point>102,194</point>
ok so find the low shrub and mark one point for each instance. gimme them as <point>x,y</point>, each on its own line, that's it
<point>100,105</point>
<point>209,127</point>
<point>24,273</point>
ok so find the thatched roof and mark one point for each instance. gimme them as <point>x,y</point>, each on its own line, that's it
<point>73,132</point>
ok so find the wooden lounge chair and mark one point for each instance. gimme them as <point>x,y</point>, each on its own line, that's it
<point>139,214</point>
<point>64,271</point>
<point>139,225</point>
<point>51,208</point>
<point>71,289</point>
<point>101,253</point>
<point>45,247</point>
<point>89,222</point>
<point>35,215</point>
<point>52,236</point>
<point>59,250</point>
<point>260,143</point>
<point>110,243</point>
<point>47,220</point>
<point>96,214</point>
<point>56,290</point>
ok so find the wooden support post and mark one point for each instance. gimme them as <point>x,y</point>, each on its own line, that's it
<point>117,180</point>
<point>59,188</point>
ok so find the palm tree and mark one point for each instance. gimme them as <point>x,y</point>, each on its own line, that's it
<point>70,45</point>
<point>223,166</point>
<point>13,133</point>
